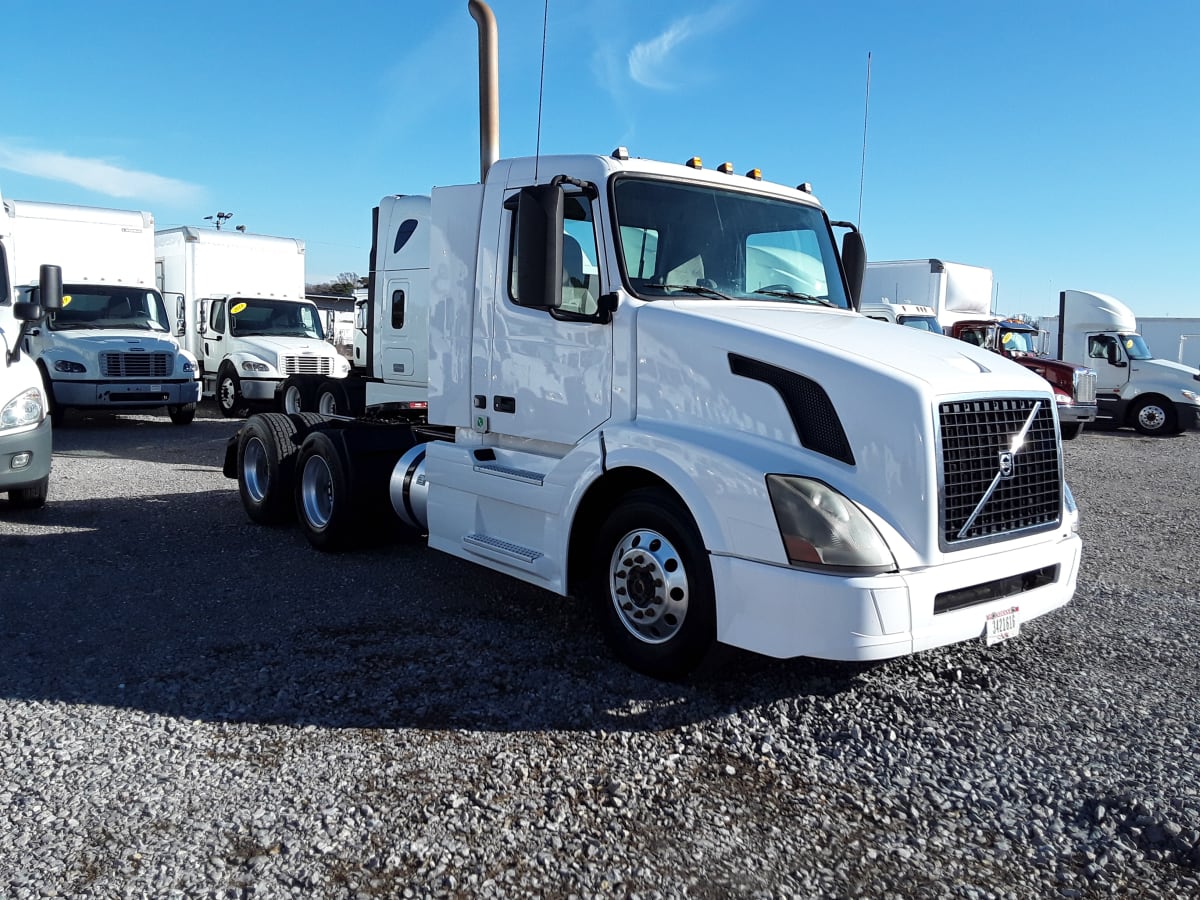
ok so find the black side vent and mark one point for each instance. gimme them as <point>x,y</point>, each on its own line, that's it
<point>813,416</point>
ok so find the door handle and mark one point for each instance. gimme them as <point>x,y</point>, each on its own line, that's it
<point>504,404</point>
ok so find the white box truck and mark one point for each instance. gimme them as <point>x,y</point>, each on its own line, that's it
<point>25,423</point>
<point>954,291</point>
<point>619,404</point>
<point>109,346</point>
<point>1134,388</point>
<point>242,311</point>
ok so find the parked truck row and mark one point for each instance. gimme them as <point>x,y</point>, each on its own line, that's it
<point>647,383</point>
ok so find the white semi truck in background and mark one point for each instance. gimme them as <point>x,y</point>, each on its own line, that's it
<point>620,404</point>
<point>241,309</point>
<point>1134,388</point>
<point>25,423</point>
<point>110,346</point>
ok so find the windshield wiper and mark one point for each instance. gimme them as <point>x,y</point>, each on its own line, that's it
<point>798,297</point>
<point>691,289</point>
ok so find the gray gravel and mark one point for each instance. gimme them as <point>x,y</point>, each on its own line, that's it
<point>193,706</point>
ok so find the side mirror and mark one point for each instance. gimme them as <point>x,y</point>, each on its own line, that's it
<point>202,318</point>
<point>180,314</point>
<point>854,261</point>
<point>540,246</point>
<point>1113,358</point>
<point>50,287</point>
<point>27,311</point>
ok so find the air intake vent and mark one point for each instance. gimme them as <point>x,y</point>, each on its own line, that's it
<point>991,488</point>
<point>307,365</point>
<point>135,365</point>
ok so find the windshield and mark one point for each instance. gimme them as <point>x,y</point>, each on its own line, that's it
<point>696,240</point>
<point>1018,341</point>
<point>924,323</point>
<point>278,318</point>
<point>1135,346</point>
<point>109,306</point>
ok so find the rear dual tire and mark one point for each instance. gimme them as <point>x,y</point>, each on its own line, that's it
<point>266,460</point>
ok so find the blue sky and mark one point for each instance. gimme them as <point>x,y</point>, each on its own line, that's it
<point>1054,142</point>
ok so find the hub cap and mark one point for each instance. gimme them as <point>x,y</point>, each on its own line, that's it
<point>648,586</point>
<point>255,474</point>
<point>1152,417</point>
<point>316,492</point>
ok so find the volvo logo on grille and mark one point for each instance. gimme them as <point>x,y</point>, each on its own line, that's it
<point>1006,463</point>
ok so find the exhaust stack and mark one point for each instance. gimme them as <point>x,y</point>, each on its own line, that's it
<point>489,85</point>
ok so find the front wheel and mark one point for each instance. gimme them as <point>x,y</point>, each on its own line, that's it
<point>183,414</point>
<point>32,497</point>
<point>1154,416</point>
<point>229,393</point>
<point>652,578</point>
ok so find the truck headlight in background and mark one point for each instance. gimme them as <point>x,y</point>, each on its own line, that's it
<point>66,365</point>
<point>343,365</point>
<point>1190,396</point>
<point>27,408</point>
<point>252,366</point>
<point>188,366</point>
<point>821,527</point>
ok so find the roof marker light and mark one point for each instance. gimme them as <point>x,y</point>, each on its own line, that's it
<point>805,186</point>
<point>694,163</point>
<point>621,153</point>
<point>756,174</point>
<point>725,168</point>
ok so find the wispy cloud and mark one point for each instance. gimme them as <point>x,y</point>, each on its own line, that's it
<point>652,63</point>
<point>98,175</point>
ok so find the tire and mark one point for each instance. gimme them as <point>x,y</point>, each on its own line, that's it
<point>1153,416</point>
<point>296,395</point>
<point>266,460</point>
<point>1071,430</point>
<point>183,414</point>
<point>331,400</point>
<point>30,497</point>
<point>653,581</point>
<point>324,496</point>
<point>229,393</point>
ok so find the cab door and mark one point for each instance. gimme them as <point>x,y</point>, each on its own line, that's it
<point>548,376</point>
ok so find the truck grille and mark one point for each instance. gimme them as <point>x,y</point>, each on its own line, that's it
<point>977,436</point>
<point>135,365</point>
<point>307,365</point>
<point>1085,386</point>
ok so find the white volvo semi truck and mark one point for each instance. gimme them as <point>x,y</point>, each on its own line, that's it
<point>647,383</point>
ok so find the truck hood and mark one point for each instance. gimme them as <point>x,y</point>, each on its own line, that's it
<point>114,340</point>
<point>884,383</point>
<point>283,346</point>
<point>1168,368</point>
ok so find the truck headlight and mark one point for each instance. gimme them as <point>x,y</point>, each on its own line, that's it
<point>188,366</point>
<point>1071,510</point>
<point>27,408</point>
<point>821,527</point>
<point>66,365</point>
<point>1190,396</point>
<point>343,365</point>
<point>252,366</point>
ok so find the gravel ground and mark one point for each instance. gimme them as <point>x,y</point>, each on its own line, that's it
<point>193,706</point>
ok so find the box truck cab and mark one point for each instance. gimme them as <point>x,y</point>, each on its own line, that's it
<point>241,309</point>
<point>25,423</point>
<point>910,314</point>
<point>109,346</point>
<point>952,290</point>
<point>1133,386</point>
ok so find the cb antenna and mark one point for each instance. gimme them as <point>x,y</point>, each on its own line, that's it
<point>537,153</point>
<point>862,170</point>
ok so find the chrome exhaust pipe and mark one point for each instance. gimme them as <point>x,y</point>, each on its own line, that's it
<point>489,85</point>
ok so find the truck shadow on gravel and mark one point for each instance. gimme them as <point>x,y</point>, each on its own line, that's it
<point>145,437</point>
<point>177,606</point>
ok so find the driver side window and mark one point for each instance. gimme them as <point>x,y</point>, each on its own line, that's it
<point>217,317</point>
<point>580,269</point>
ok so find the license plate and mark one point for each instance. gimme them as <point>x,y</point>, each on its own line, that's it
<point>1001,625</point>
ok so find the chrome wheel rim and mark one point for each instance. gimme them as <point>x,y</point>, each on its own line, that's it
<point>1152,416</point>
<point>291,400</point>
<point>316,492</point>
<point>256,475</point>
<point>228,393</point>
<point>327,405</point>
<point>648,586</point>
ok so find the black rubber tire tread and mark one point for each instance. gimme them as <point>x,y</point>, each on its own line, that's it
<point>183,414</point>
<point>342,529</point>
<point>1170,424</point>
<point>305,384</point>
<point>660,510</point>
<point>33,497</point>
<point>277,432</point>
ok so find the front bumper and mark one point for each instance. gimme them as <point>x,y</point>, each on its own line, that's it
<point>1188,416</point>
<point>784,612</point>
<point>1077,412</point>
<point>260,388</point>
<point>125,395</point>
<point>35,442</point>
